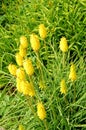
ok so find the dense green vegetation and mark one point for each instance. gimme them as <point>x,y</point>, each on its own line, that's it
<point>61,18</point>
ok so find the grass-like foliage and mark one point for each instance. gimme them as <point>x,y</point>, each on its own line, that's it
<point>50,94</point>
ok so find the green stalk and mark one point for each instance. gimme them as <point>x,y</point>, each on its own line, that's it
<point>64,58</point>
<point>74,92</point>
<point>45,124</point>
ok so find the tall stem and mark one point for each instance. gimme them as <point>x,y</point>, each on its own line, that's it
<point>45,124</point>
<point>64,58</point>
<point>40,69</point>
<point>74,92</point>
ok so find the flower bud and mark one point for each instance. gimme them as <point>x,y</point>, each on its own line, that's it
<point>63,44</point>
<point>35,44</point>
<point>27,64</point>
<point>24,42</point>
<point>72,74</point>
<point>42,31</point>
<point>41,111</point>
<point>63,88</point>
<point>19,59</point>
<point>12,69</point>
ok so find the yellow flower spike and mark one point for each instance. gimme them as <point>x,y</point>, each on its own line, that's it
<point>27,64</point>
<point>72,74</point>
<point>18,84</point>
<point>21,127</point>
<point>63,88</point>
<point>27,88</point>
<point>63,44</point>
<point>20,73</point>
<point>31,90</point>
<point>38,64</point>
<point>19,59</point>
<point>12,69</point>
<point>35,44</point>
<point>22,51</point>
<point>41,84</point>
<point>42,31</point>
<point>41,111</point>
<point>24,42</point>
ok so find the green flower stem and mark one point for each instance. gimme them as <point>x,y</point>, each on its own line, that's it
<point>65,99</point>
<point>31,81</point>
<point>44,44</point>
<point>29,101</point>
<point>74,92</point>
<point>45,124</point>
<point>40,69</point>
<point>64,58</point>
<point>30,105</point>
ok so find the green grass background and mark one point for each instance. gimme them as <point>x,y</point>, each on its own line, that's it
<point>61,18</point>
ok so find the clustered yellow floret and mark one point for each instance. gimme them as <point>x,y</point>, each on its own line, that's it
<point>35,43</point>
<point>27,64</point>
<point>63,44</point>
<point>63,87</point>
<point>41,111</point>
<point>24,42</point>
<point>72,74</point>
<point>27,88</point>
<point>22,51</point>
<point>20,73</point>
<point>19,59</point>
<point>12,69</point>
<point>18,84</point>
<point>42,31</point>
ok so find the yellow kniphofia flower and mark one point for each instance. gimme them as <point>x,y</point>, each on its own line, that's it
<point>41,111</point>
<point>63,88</point>
<point>12,69</point>
<point>18,84</point>
<point>27,64</point>
<point>22,51</point>
<point>41,84</point>
<point>21,127</point>
<point>27,88</point>
<point>19,59</point>
<point>24,42</point>
<point>72,74</point>
<point>20,73</point>
<point>42,31</point>
<point>31,89</point>
<point>35,44</point>
<point>63,44</point>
